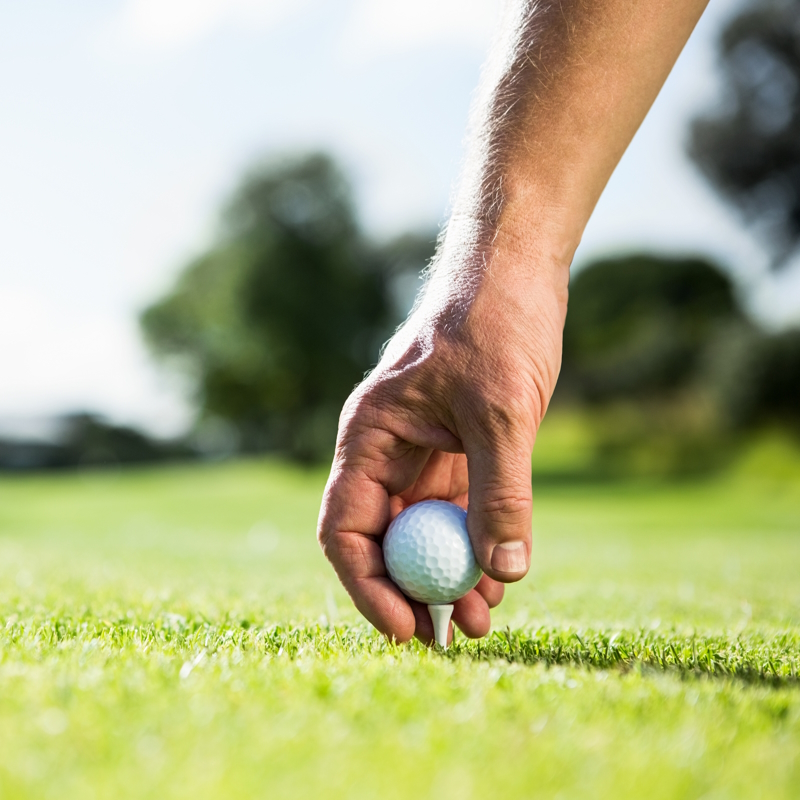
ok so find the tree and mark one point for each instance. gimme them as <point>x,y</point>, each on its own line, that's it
<point>777,396</point>
<point>667,366</point>
<point>638,326</point>
<point>278,321</point>
<point>87,440</point>
<point>750,149</point>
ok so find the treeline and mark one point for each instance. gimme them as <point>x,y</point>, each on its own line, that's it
<point>88,440</point>
<point>285,314</point>
<point>669,369</point>
<point>282,317</point>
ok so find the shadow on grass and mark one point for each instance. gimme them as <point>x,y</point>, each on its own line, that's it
<point>756,659</point>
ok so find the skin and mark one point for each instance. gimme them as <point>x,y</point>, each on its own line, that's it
<point>453,407</point>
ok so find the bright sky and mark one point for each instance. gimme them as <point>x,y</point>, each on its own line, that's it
<point>124,124</point>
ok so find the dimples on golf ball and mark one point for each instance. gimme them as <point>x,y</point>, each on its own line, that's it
<point>428,553</point>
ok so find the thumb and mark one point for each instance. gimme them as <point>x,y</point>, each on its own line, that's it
<point>499,512</point>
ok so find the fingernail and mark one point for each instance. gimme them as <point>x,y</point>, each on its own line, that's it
<point>510,557</point>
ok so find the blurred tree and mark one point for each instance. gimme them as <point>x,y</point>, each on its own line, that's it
<point>750,150</point>
<point>637,326</point>
<point>778,385</point>
<point>671,367</point>
<point>87,440</point>
<point>279,320</point>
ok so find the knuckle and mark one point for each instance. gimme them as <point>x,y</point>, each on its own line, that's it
<point>359,411</point>
<point>503,410</point>
<point>511,508</point>
<point>330,515</point>
<point>506,415</point>
<point>369,409</point>
<point>360,442</point>
<point>323,537</point>
<point>540,391</point>
<point>325,531</point>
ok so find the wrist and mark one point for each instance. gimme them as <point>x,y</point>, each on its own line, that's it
<point>517,265</point>
<point>509,280</point>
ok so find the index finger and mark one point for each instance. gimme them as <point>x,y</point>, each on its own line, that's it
<point>355,513</point>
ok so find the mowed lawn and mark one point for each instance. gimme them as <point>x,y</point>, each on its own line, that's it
<point>175,632</point>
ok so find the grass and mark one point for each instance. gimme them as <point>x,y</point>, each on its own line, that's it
<point>176,633</point>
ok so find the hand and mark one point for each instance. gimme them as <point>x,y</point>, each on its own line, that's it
<point>451,412</point>
<point>453,407</point>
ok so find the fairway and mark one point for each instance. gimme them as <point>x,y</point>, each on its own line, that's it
<point>175,632</point>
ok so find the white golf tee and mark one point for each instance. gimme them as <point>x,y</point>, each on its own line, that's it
<point>440,616</point>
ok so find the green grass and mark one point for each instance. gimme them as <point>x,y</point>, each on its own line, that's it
<point>176,633</point>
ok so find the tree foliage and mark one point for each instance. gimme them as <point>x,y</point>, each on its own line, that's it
<point>670,366</point>
<point>638,325</point>
<point>282,316</point>
<point>750,148</point>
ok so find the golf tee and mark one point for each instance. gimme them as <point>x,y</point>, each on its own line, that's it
<point>440,616</point>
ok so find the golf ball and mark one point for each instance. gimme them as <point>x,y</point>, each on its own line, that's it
<point>428,553</point>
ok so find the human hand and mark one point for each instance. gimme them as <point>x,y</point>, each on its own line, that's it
<point>451,412</point>
<point>452,409</point>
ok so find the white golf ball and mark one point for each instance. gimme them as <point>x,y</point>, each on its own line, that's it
<point>428,553</point>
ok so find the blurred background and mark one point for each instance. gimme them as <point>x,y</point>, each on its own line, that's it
<point>212,214</point>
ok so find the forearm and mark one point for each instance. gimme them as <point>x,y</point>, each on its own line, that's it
<point>563,94</point>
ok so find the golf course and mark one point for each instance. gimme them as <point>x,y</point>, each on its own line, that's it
<point>175,632</point>
<point>270,266</point>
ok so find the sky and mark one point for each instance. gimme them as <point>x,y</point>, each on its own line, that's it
<point>124,125</point>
